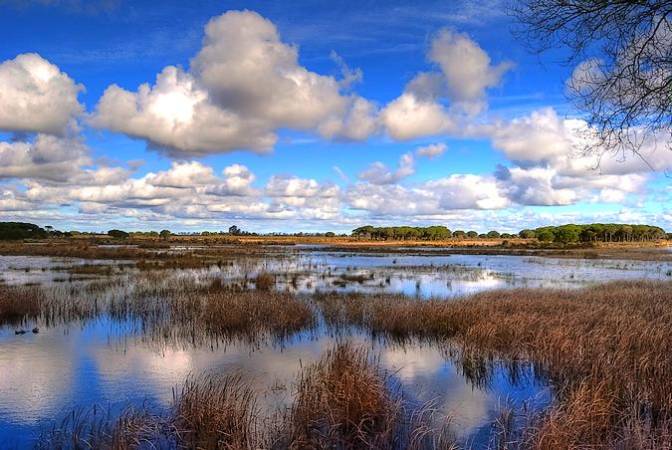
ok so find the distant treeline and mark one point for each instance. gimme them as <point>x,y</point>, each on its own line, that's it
<point>21,230</point>
<point>597,232</point>
<point>566,234</point>
<point>433,233</point>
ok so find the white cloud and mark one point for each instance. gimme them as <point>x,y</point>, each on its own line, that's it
<point>237,180</point>
<point>534,186</point>
<point>409,117</point>
<point>183,175</point>
<point>379,173</point>
<point>465,75</point>
<point>46,157</point>
<point>243,85</point>
<point>431,151</point>
<point>35,96</point>
<point>432,198</point>
<point>466,191</point>
<point>175,113</point>
<point>467,69</point>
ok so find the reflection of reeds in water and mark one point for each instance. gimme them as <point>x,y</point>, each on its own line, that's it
<point>167,307</point>
<point>99,428</point>
<point>342,402</point>
<point>604,349</point>
<point>184,312</point>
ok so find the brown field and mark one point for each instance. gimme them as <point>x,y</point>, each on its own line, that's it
<point>155,253</point>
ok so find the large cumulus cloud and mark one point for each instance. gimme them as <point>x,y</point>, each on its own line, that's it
<point>242,86</point>
<point>36,96</point>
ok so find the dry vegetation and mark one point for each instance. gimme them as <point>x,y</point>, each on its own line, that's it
<point>343,402</point>
<point>605,350</point>
<point>195,252</point>
<point>19,304</point>
<point>214,412</point>
<point>180,310</point>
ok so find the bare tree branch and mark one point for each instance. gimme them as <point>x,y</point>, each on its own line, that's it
<point>623,48</point>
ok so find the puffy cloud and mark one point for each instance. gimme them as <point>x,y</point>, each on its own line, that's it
<point>410,116</point>
<point>466,191</point>
<point>183,175</point>
<point>10,201</point>
<point>46,157</point>
<point>467,69</point>
<point>185,191</point>
<point>175,113</point>
<point>379,173</point>
<point>534,186</point>
<point>35,96</point>
<point>237,181</point>
<point>554,167</point>
<point>432,150</point>
<point>432,198</point>
<point>466,72</point>
<point>243,85</point>
<point>279,186</point>
<point>540,137</point>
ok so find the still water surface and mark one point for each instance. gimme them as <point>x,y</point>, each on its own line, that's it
<point>104,362</point>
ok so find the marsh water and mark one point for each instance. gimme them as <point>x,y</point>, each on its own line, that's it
<point>109,363</point>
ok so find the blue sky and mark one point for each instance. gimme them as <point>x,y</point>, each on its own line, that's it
<point>302,115</point>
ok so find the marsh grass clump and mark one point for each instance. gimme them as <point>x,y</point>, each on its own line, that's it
<point>179,310</point>
<point>264,281</point>
<point>216,412</point>
<point>99,428</point>
<point>343,401</point>
<point>19,304</point>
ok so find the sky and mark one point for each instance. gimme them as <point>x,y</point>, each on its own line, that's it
<point>299,116</point>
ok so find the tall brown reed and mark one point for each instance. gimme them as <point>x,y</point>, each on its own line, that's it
<point>19,304</point>
<point>343,402</point>
<point>216,412</point>
<point>605,349</point>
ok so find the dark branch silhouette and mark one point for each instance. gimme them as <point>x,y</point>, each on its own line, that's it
<point>622,51</point>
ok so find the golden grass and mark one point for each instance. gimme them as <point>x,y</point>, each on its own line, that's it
<point>19,304</point>
<point>343,402</point>
<point>98,428</point>
<point>265,281</point>
<point>215,412</point>
<point>180,311</point>
<point>605,349</point>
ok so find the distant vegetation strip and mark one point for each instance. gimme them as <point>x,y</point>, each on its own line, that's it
<point>565,234</point>
<point>596,232</point>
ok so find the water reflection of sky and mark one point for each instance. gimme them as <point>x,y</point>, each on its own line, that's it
<point>423,275</point>
<point>45,375</point>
